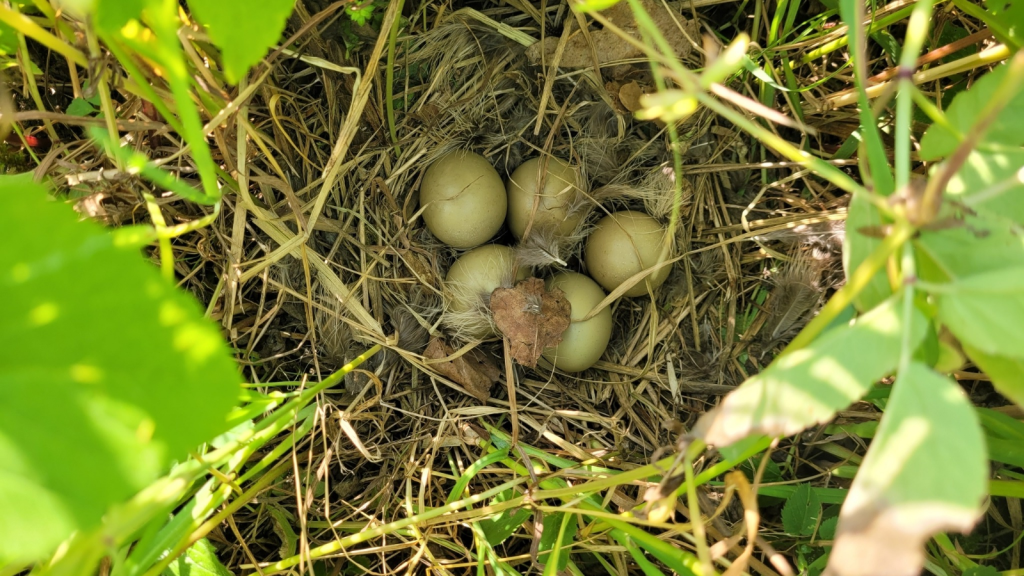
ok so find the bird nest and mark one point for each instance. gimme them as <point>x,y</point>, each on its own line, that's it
<point>323,254</point>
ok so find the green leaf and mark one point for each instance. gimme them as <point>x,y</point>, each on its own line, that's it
<point>889,44</point>
<point>107,372</point>
<point>808,386</point>
<point>989,183</point>
<point>857,246</point>
<point>986,311</point>
<point>951,33</point>
<point>1006,129</point>
<point>360,13</point>
<point>925,472</point>
<point>498,528</point>
<point>282,527</point>
<point>199,560</point>
<point>801,512</point>
<point>1000,425</point>
<point>8,40</point>
<point>80,107</point>
<point>243,33</point>
<point>1010,16</point>
<point>977,245</point>
<point>979,570</point>
<point>1007,374</point>
<point>549,540</point>
<point>827,530</point>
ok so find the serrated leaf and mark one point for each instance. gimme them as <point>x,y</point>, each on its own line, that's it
<point>808,386</point>
<point>857,246</point>
<point>1007,374</point>
<point>107,372</point>
<point>499,528</point>
<point>549,539</point>
<point>199,560</point>
<point>827,530</point>
<point>986,311</point>
<point>1006,129</point>
<point>360,13</point>
<point>925,472</point>
<point>990,183</point>
<point>801,512</point>
<point>243,33</point>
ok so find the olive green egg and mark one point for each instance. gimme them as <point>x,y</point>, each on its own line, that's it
<point>464,199</point>
<point>583,343</point>
<point>622,245</point>
<point>561,192</point>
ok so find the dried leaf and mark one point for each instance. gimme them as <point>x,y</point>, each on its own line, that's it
<point>629,96</point>
<point>531,318</point>
<point>473,370</point>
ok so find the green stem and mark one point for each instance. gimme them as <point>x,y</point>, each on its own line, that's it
<point>843,40</point>
<point>917,33</point>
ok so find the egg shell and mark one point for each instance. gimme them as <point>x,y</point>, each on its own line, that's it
<point>476,274</point>
<point>464,199</point>
<point>621,246</point>
<point>561,191</point>
<point>583,343</point>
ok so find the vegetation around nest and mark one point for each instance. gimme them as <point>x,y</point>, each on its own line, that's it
<point>829,380</point>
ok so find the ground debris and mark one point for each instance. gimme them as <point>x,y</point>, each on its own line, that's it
<point>474,370</point>
<point>608,46</point>
<point>531,318</point>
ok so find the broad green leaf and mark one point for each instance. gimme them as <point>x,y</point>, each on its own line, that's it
<point>974,246</point>
<point>1006,129</point>
<point>801,512</point>
<point>498,528</point>
<point>925,472</point>
<point>986,311</point>
<point>199,560</point>
<point>1007,373</point>
<point>107,372</point>
<point>1009,14</point>
<point>979,570</point>
<point>808,386</point>
<point>857,246</point>
<point>243,33</point>
<point>549,540</point>
<point>989,183</point>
